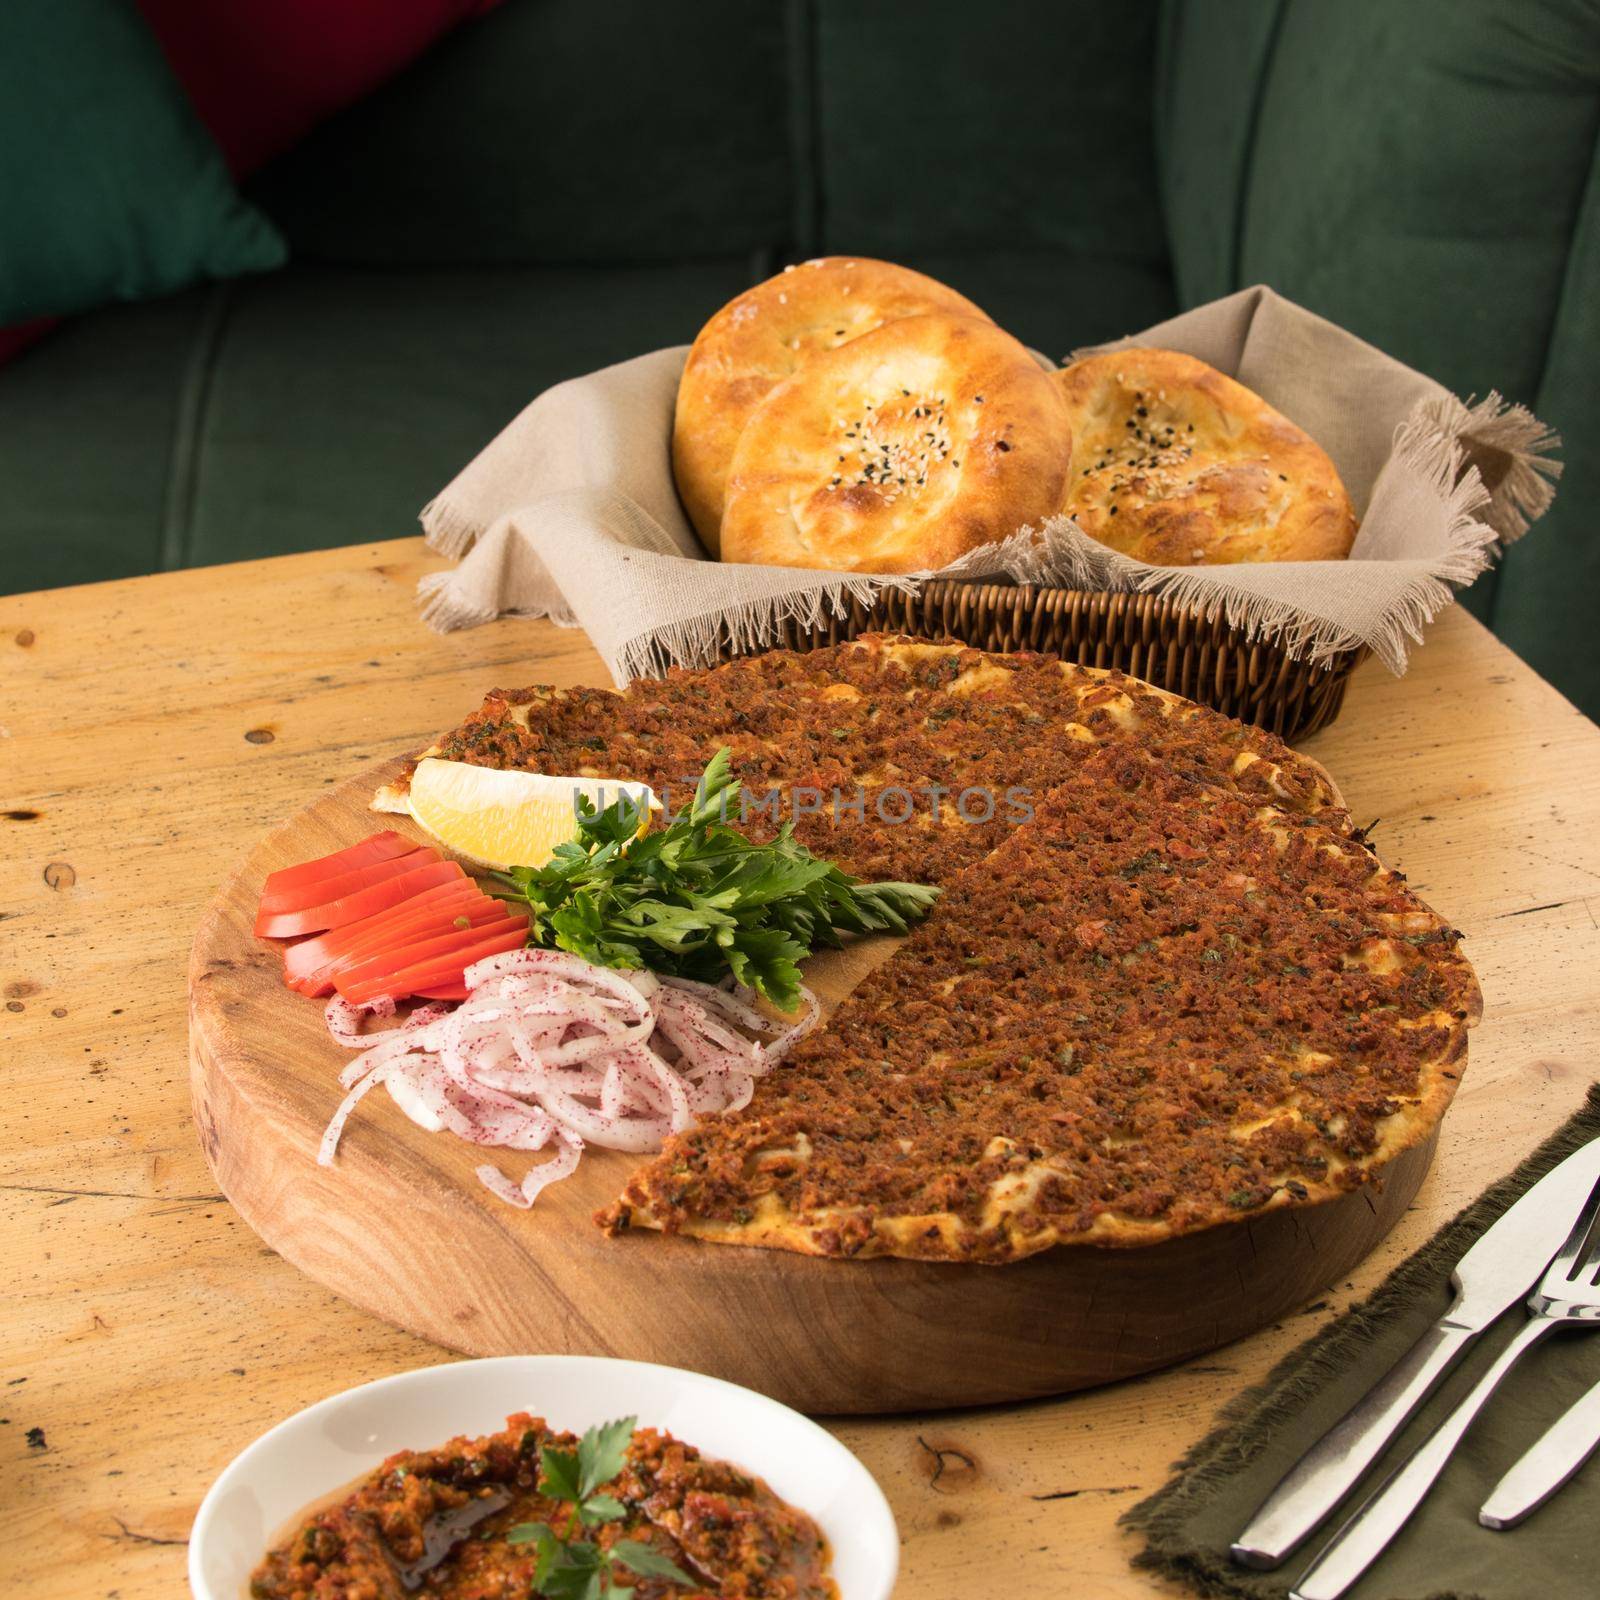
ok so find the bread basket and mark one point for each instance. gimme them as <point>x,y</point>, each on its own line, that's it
<point>573,513</point>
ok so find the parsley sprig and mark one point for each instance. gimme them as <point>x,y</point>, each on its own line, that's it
<point>697,899</point>
<point>568,1566</point>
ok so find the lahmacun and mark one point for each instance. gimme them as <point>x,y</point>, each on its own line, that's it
<point>885,717</point>
<point>1178,990</point>
<point>1156,1007</point>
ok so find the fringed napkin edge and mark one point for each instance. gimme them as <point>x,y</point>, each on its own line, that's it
<point>1266,1406</point>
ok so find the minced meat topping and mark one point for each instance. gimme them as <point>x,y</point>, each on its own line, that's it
<point>880,720</point>
<point>434,1523</point>
<point>1156,1006</point>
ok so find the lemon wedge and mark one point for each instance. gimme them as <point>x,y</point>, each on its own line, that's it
<point>509,819</point>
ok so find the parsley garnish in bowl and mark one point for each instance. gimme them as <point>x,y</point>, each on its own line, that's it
<point>697,899</point>
<point>568,1566</point>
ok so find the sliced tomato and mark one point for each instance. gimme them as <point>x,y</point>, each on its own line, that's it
<point>461,896</point>
<point>455,889</point>
<point>430,974</point>
<point>352,907</point>
<point>400,958</point>
<point>322,890</point>
<point>457,917</point>
<point>314,891</point>
<point>379,847</point>
<point>328,953</point>
<point>463,911</point>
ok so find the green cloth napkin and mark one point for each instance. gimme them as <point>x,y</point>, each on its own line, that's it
<point>1443,1553</point>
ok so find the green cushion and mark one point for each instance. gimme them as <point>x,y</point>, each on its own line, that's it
<point>316,407</point>
<point>324,406</point>
<point>557,131</point>
<point>1027,129</point>
<point>1411,171</point>
<point>1210,65</point>
<point>1056,302</point>
<point>1549,583</point>
<point>1416,173</point>
<point>109,186</point>
<point>91,420</point>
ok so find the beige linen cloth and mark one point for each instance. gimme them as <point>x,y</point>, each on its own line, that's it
<point>571,512</point>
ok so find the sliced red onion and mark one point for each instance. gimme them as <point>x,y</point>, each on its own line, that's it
<point>344,1019</point>
<point>734,1004</point>
<point>792,1035</point>
<point>561,1165</point>
<point>330,1134</point>
<point>547,1048</point>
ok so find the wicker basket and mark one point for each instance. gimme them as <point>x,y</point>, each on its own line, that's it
<point>1140,634</point>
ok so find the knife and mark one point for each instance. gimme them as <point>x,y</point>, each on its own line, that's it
<point>1560,1451</point>
<point>1497,1272</point>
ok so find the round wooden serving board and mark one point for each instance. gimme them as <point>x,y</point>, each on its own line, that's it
<point>400,1225</point>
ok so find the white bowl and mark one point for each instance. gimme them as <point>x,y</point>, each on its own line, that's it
<point>328,1445</point>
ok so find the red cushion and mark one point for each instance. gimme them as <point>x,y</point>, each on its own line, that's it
<point>13,340</point>
<point>262,73</point>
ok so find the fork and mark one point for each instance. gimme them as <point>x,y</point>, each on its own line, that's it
<point>1567,1296</point>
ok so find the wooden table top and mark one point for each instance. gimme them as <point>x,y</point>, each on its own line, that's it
<point>151,729</point>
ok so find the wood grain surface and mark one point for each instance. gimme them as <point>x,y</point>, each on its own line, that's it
<point>400,1224</point>
<point>152,730</point>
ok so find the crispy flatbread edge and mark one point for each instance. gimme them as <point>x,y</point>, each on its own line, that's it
<point>936,1237</point>
<point>394,796</point>
<point>391,796</point>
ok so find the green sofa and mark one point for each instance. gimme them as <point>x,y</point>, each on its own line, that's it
<point>561,184</point>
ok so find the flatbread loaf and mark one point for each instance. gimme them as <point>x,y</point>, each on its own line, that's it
<point>898,452</point>
<point>758,339</point>
<point>1176,464</point>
